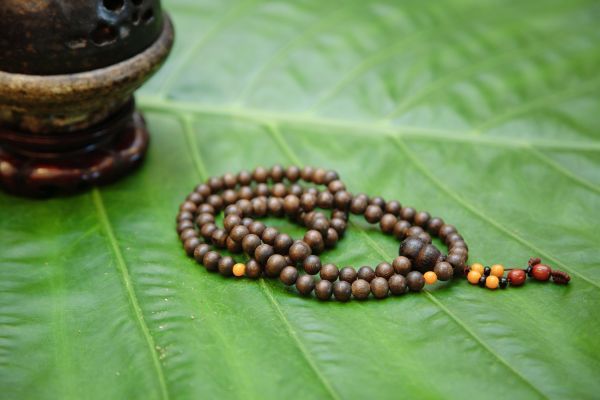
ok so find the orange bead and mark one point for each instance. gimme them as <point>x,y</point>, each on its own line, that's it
<point>497,270</point>
<point>430,277</point>
<point>491,282</point>
<point>474,277</point>
<point>239,269</point>
<point>477,267</point>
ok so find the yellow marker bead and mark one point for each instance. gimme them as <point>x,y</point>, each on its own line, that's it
<point>239,269</point>
<point>474,277</point>
<point>430,277</point>
<point>477,267</point>
<point>497,270</point>
<point>491,282</point>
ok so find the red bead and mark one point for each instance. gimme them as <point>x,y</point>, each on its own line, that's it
<point>541,272</point>
<point>517,277</point>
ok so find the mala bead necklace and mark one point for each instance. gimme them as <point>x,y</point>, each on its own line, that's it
<point>277,192</point>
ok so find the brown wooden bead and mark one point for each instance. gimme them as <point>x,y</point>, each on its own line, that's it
<point>215,183</point>
<point>292,173</point>
<point>457,261</point>
<point>427,258</point>
<point>361,289</point>
<point>188,233</point>
<point>277,173</point>
<point>190,245</point>
<point>329,272</point>
<point>282,243</point>
<point>238,233</point>
<point>225,266</point>
<point>323,290</point>
<point>434,225</point>
<point>359,204</point>
<point>312,265</point>
<point>250,243</point>
<point>325,200</point>
<point>393,207</point>
<point>203,189</point>
<point>291,204</point>
<point>253,269</point>
<point>206,208</point>
<point>400,229</point>
<point>296,190</point>
<point>275,206</point>
<point>330,176</point>
<point>207,230</point>
<point>348,274</point>
<point>377,201</point>
<point>336,186</point>
<point>229,197</point>
<point>244,178</point>
<point>308,202</point>
<point>319,176</point>
<point>422,218</point>
<point>299,251</point>
<point>229,180</point>
<point>211,260</point>
<point>315,240</point>
<point>424,236</point>
<point>397,284</point>
<point>195,198</point>
<point>321,225</point>
<point>205,218</point>
<point>219,238</point>
<point>415,281</point>
<point>373,214</point>
<point>384,270</point>
<point>259,206</point>
<point>288,275</point>
<point>331,238</point>
<point>541,272</point>
<point>342,290</point>
<point>200,251</point>
<point>215,201</point>
<point>257,228</point>
<point>408,213</point>
<point>444,271</point>
<point>185,216</point>
<point>245,193</point>
<point>263,252</point>
<point>188,206</point>
<point>342,199</point>
<point>387,223</point>
<point>305,284</point>
<point>445,230</point>
<point>339,225</point>
<point>339,214</point>
<point>516,277</point>
<point>260,174</point>
<point>414,231</point>
<point>275,264</point>
<point>379,287</point>
<point>230,221</point>
<point>306,173</point>
<point>366,273</point>
<point>402,265</point>
<point>269,234</point>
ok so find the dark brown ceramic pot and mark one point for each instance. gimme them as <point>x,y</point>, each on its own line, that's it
<point>68,70</point>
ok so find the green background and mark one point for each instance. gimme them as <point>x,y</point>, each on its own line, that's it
<point>483,113</point>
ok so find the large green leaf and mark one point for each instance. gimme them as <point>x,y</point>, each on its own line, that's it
<point>484,113</point>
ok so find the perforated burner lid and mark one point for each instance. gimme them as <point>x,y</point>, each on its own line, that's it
<point>48,37</point>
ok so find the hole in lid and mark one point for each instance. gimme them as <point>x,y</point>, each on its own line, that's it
<point>135,17</point>
<point>104,34</point>
<point>148,15</point>
<point>113,5</point>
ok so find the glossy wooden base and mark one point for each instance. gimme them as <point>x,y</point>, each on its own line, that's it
<point>47,165</point>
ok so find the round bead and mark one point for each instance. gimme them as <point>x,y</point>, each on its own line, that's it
<point>497,270</point>
<point>226,266</point>
<point>444,271</point>
<point>312,265</point>
<point>361,289</point>
<point>342,290</point>
<point>238,233</point>
<point>348,274</point>
<point>379,287</point>
<point>200,251</point>
<point>516,277</point>
<point>323,290</point>
<point>263,252</point>
<point>430,277</point>
<point>397,284</point>
<point>384,270</point>
<point>282,243</point>
<point>305,284</point>
<point>415,281</point>
<point>329,272</point>
<point>541,272</point>
<point>491,282</point>
<point>373,214</point>
<point>211,260</point>
<point>275,264</point>
<point>269,234</point>
<point>190,245</point>
<point>249,243</point>
<point>366,273</point>
<point>288,275</point>
<point>239,269</point>
<point>473,277</point>
<point>299,251</point>
<point>315,240</point>
<point>503,283</point>
<point>387,223</point>
<point>253,269</point>
<point>402,265</point>
<point>482,281</point>
<point>478,267</point>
